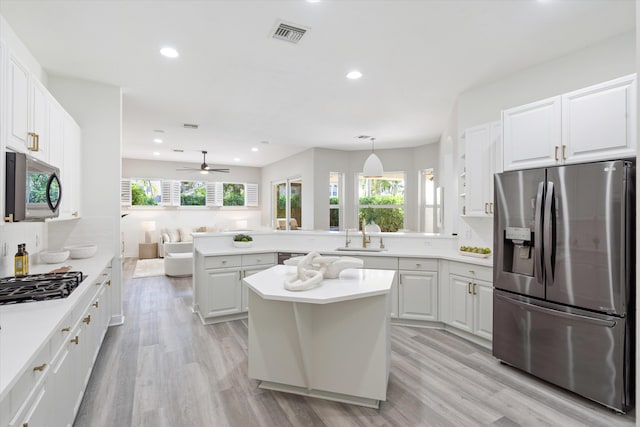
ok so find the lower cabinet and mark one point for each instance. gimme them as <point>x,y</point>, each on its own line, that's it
<point>49,393</point>
<point>222,293</point>
<point>418,289</point>
<point>471,299</point>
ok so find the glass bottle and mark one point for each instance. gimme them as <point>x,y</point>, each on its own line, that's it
<point>18,262</point>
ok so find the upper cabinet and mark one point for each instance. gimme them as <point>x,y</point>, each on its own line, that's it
<point>600,121</point>
<point>483,149</point>
<point>595,123</point>
<point>34,123</point>
<point>27,111</point>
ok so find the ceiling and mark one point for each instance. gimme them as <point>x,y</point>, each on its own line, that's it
<point>248,90</point>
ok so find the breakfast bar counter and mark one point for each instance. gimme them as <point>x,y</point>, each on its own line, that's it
<point>331,342</point>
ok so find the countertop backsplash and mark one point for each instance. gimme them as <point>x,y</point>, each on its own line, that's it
<point>31,233</point>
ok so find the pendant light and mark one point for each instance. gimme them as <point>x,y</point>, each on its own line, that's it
<point>373,165</point>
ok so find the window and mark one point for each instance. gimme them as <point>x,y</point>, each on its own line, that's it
<point>335,186</point>
<point>232,194</point>
<point>428,201</point>
<point>381,201</point>
<point>287,204</point>
<point>146,192</point>
<point>172,193</point>
<point>193,193</point>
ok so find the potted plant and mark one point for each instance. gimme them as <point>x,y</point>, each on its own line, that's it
<point>242,241</point>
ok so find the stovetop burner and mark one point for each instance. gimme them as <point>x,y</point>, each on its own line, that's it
<point>38,287</point>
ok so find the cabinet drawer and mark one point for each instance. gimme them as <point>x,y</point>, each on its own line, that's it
<point>259,259</point>
<point>223,261</point>
<point>30,378</point>
<point>379,263</point>
<point>61,333</point>
<point>471,270</point>
<point>418,264</point>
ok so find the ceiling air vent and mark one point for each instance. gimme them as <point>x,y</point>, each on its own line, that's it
<point>363,137</point>
<point>288,32</point>
<point>190,126</point>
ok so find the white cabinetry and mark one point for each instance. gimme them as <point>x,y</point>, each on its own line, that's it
<point>28,109</point>
<point>222,295</point>
<point>471,299</point>
<point>599,122</point>
<point>418,289</point>
<point>71,169</point>
<point>483,146</point>
<point>50,391</point>
<point>594,123</point>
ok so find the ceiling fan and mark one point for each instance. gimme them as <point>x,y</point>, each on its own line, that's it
<point>204,167</point>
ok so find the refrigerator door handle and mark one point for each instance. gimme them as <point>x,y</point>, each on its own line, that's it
<point>549,229</point>
<point>527,306</point>
<point>538,233</point>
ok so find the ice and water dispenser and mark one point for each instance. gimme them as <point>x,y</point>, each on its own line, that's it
<point>518,250</point>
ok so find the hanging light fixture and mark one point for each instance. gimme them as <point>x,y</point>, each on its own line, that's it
<point>373,165</point>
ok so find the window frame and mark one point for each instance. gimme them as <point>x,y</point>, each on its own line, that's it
<point>403,206</point>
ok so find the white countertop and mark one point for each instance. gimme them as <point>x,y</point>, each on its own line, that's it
<point>27,327</point>
<point>351,284</point>
<point>448,255</point>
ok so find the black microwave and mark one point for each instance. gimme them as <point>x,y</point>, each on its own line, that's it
<point>33,190</point>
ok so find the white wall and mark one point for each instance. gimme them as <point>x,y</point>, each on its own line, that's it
<point>597,63</point>
<point>314,166</point>
<point>299,165</point>
<point>97,108</point>
<point>222,218</point>
<point>17,48</point>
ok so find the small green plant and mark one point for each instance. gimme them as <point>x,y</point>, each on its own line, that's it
<point>242,238</point>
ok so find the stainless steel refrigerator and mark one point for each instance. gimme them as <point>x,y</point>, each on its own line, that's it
<point>564,277</point>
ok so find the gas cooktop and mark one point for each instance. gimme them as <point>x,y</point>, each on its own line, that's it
<point>38,287</point>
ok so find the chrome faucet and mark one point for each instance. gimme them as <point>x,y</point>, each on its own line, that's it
<point>347,240</point>
<point>365,239</point>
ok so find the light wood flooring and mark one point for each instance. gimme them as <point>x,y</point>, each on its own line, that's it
<point>164,368</point>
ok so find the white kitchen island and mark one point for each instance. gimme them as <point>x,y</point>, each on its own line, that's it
<point>331,342</point>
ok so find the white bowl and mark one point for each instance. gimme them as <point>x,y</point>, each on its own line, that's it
<point>82,251</point>
<point>242,244</point>
<point>55,256</point>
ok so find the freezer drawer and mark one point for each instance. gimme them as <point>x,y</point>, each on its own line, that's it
<point>575,350</point>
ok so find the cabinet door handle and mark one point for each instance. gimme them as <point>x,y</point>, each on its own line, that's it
<point>486,208</point>
<point>418,265</point>
<point>87,319</point>
<point>95,304</point>
<point>67,329</point>
<point>108,283</point>
<point>75,214</point>
<point>40,368</point>
<point>468,287</point>
<point>74,340</point>
<point>564,149</point>
<point>491,207</point>
<point>474,288</point>
<point>556,153</point>
<point>35,141</point>
<point>224,261</point>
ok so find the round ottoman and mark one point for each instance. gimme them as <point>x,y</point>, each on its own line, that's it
<point>178,264</point>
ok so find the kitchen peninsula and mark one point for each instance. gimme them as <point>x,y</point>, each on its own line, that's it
<point>304,342</point>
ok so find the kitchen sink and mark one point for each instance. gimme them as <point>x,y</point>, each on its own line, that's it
<point>344,248</point>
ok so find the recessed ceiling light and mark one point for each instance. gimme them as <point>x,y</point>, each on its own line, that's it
<point>156,153</point>
<point>157,140</point>
<point>169,52</point>
<point>254,149</point>
<point>354,75</point>
<point>236,159</point>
